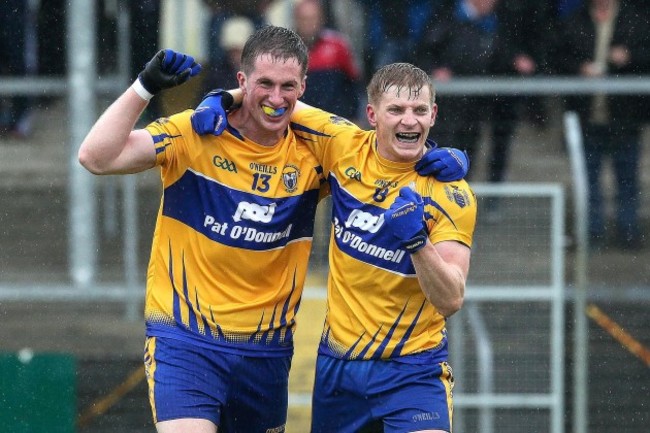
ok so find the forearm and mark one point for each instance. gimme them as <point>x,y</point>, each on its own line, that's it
<point>442,281</point>
<point>105,147</point>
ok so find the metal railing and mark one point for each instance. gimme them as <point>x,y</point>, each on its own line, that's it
<point>478,293</point>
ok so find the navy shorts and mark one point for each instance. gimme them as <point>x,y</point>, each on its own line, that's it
<point>237,393</point>
<point>349,395</point>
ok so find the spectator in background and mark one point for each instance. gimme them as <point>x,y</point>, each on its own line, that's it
<point>609,38</point>
<point>221,10</point>
<point>234,33</point>
<point>395,29</point>
<point>566,8</point>
<point>484,38</point>
<point>462,40</point>
<point>528,29</point>
<point>334,82</point>
<point>347,16</point>
<point>18,48</point>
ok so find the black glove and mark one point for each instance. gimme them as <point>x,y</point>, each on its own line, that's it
<point>167,69</point>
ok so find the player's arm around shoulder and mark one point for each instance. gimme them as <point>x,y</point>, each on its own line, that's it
<point>329,136</point>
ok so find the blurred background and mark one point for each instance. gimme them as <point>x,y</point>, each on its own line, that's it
<point>554,335</point>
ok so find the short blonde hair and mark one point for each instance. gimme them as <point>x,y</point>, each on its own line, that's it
<point>402,76</point>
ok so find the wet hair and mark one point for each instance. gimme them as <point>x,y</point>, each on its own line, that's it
<point>403,76</point>
<point>281,43</point>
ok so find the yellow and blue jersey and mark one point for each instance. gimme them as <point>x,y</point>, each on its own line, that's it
<point>232,238</point>
<point>375,306</point>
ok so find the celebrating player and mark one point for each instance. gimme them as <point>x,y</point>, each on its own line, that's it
<point>399,259</point>
<point>231,242</point>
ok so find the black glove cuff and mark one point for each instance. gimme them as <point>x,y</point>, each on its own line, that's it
<point>147,84</point>
<point>227,100</point>
<point>417,242</point>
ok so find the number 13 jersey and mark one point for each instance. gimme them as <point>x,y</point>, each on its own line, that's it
<point>232,238</point>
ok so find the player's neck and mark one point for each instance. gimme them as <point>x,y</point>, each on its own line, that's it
<point>250,128</point>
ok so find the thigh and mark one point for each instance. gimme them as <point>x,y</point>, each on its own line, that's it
<point>186,425</point>
<point>413,397</point>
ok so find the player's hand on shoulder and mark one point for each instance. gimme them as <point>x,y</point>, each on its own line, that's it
<point>209,117</point>
<point>167,69</point>
<point>446,164</point>
<point>405,218</point>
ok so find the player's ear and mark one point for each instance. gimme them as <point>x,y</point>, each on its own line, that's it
<point>372,115</point>
<point>241,80</point>
<point>434,114</point>
<point>303,86</point>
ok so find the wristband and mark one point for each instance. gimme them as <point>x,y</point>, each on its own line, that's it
<point>416,243</point>
<point>141,91</point>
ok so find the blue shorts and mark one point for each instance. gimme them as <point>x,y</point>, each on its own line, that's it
<point>349,395</point>
<point>237,393</point>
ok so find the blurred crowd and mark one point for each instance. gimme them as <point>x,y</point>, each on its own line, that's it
<point>350,39</point>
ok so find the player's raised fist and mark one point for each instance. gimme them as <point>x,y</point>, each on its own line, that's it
<point>167,69</point>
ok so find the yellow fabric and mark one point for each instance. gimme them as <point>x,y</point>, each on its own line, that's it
<point>232,237</point>
<point>376,308</point>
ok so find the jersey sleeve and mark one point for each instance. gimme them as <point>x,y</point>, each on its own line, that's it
<point>172,138</point>
<point>450,212</point>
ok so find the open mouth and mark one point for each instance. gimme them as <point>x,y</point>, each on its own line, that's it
<point>273,112</point>
<point>408,137</point>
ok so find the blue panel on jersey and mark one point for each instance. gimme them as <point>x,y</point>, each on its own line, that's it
<point>358,233</point>
<point>236,218</point>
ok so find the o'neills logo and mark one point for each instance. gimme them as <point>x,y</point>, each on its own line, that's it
<point>290,175</point>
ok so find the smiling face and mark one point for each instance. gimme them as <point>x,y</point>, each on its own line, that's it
<point>274,64</point>
<point>271,91</point>
<point>402,117</point>
<point>401,107</point>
